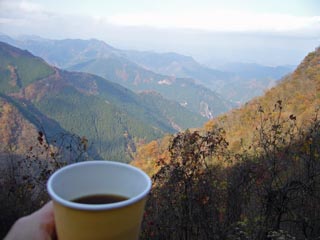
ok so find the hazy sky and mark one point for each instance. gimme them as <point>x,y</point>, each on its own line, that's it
<point>269,32</point>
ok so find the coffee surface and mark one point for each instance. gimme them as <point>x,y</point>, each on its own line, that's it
<point>100,199</point>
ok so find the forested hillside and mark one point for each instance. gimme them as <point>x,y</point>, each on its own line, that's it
<point>185,91</point>
<point>250,174</point>
<point>298,95</point>
<point>20,68</point>
<point>113,118</point>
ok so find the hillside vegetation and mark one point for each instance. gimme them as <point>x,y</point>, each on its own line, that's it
<point>250,174</point>
<point>297,96</point>
<point>185,91</point>
<point>298,93</point>
<point>19,68</point>
<point>113,118</point>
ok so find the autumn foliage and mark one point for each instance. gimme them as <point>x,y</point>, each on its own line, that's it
<point>268,190</point>
<point>253,173</point>
<point>23,177</point>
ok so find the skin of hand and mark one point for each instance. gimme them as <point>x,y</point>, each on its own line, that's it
<point>36,226</point>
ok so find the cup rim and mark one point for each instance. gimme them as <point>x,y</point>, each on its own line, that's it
<point>97,207</point>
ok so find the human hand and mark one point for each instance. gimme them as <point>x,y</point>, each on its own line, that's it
<point>36,226</point>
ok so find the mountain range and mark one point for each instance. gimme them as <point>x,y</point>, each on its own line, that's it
<point>112,117</point>
<point>230,85</point>
<point>236,82</point>
<point>167,93</point>
<point>96,57</point>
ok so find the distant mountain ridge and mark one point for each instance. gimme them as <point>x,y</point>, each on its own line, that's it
<point>238,82</point>
<point>253,70</point>
<point>177,65</point>
<point>111,116</point>
<point>233,84</point>
<point>97,57</point>
<point>62,53</point>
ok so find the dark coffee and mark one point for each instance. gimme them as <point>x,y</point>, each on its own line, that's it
<point>100,199</point>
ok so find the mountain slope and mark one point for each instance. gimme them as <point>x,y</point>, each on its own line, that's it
<point>97,57</point>
<point>15,129</point>
<point>297,94</point>
<point>296,99</point>
<point>193,96</point>
<point>250,80</point>
<point>19,68</point>
<point>174,112</point>
<point>238,82</point>
<point>252,70</point>
<point>177,65</point>
<point>112,117</point>
<point>62,53</point>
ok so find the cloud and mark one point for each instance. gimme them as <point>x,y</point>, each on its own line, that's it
<point>231,35</point>
<point>20,6</point>
<point>30,7</point>
<point>35,16</point>
<point>218,20</point>
<point>18,13</point>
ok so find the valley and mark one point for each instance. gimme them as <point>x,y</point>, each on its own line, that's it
<point>109,115</point>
